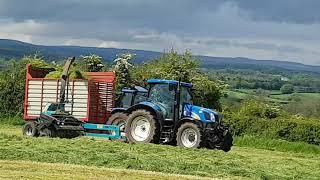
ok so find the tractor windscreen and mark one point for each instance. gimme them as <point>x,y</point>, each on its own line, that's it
<point>162,95</point>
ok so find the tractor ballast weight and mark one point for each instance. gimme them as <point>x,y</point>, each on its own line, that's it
<point>168,116</point>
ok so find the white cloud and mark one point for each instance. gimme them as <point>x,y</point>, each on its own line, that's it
<point>109,44</point>
<point>19,37</point>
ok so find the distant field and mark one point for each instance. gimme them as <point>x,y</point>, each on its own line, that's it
<point>274,96</point>
<point>261,159</point>
<point>301,95</point>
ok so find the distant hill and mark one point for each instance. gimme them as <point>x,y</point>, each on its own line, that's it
<point>16,49</point>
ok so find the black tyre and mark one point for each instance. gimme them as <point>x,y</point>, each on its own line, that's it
<point>141,127</point>
<point>189,135</point>
<point>118,119</point>
<point>220,142</point>
<point>47,132</point>
<point>227,142</point>
<point>30,129</point>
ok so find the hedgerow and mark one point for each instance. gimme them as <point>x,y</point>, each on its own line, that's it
<point>254,118</point>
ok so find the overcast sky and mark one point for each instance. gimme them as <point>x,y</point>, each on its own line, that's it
<point>261,29</point>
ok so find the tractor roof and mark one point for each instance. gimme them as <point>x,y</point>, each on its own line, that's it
<point>135,89</point>
<point>174,82</point>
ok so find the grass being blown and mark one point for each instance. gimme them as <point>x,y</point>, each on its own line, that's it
<point>56,70</point>
<point>74,74</point>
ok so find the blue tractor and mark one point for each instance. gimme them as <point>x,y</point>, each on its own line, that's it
<point>167,116</point>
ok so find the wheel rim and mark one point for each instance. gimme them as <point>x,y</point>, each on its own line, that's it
<point>29,131</point>
<point>121,125</point>
<point>140,128</point>
<point>189,137</point>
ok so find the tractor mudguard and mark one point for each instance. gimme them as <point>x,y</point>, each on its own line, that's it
<point>116,110</point>
<point>188,119</point>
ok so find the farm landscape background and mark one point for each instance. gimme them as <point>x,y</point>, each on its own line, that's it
<point>272,106</point>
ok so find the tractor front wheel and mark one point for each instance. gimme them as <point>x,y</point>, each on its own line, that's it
<point>141,127</point>
<point>30,129</point>
<point>189,135</point>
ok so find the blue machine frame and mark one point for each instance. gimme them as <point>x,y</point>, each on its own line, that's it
<point>112,128</point>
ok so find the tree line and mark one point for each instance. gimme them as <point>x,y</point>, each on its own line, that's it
<point>170,65</point>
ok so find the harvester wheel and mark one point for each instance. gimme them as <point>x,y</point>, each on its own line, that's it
<point>46,132</point>
<point>30,129</point>
<point>141,127</point>
<point>118,119</point>
<point>189,135</point>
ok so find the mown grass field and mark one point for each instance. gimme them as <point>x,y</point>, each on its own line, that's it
<point>36,170</point>
<point>249,158</point>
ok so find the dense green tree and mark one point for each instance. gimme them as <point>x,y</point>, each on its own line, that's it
<point>91,63</point>
<point>123,69</point>
<point>287,89</point>
<point>184,67</point>
<point>12,84</point>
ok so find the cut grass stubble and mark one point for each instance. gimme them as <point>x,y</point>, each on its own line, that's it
<point>239,162</point>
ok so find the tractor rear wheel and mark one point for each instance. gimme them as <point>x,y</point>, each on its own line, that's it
<point>141,127</point>
<point>118,119</point>
<point>189,135</point>
<point>30,129</point>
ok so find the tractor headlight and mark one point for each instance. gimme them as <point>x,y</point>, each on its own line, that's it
<point>212,117</point>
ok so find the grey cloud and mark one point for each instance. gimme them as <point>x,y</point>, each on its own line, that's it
<point>203,26</point>
<point>294,11</point>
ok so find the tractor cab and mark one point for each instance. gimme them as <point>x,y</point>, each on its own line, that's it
<point>170,96</point>
<point>175,100</point>
<point>132,96</point>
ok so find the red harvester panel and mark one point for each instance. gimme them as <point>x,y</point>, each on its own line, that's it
<point>101,96</point>
<point>91,99</point>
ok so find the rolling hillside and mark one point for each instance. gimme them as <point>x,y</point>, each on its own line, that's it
<point>16,49</point>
